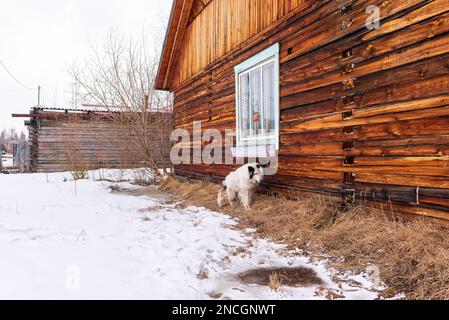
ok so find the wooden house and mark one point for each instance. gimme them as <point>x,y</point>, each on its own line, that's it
<point>353,94</point>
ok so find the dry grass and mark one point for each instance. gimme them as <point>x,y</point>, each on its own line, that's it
<point>203,274</point>
<point>275,282</point>
<point>413,257</point>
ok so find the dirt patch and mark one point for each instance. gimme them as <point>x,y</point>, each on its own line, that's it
<point>277,277</point>
<point>151,191</point>
<point>412,257</point>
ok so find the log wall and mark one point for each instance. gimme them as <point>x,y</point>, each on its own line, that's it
<point>221,26</point>
<point>363,112</point>
<point>70,145</point>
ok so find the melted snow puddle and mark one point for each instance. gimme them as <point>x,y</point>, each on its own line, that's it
<point>292,277</point>
<point>251,281</point>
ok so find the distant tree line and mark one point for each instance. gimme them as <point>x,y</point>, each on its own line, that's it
<point>10,134</point>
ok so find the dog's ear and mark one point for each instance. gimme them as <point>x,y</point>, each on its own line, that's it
<point>252,171</point>
<point>262,165</point>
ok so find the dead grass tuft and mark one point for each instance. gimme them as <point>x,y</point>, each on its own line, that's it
<point>275,282</point>
<point>413,257</point>
<point>275,278</point>
<point>203,274</point>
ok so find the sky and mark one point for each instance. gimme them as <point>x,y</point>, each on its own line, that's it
<point>40,40</point>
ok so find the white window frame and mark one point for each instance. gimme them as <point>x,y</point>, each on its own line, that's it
<point>258,61</point>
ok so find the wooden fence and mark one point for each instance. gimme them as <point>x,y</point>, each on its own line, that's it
<point>21,155</point>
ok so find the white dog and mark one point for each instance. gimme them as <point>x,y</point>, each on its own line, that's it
<point>241,185</point>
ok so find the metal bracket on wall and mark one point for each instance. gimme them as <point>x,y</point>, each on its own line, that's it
<point>349,68</point>
<point>346,24</point>
<point>349,177</point>
<point>349,145</point>
<point>347,115</point>
<point>349,161</point>
<point>347,100</point>
<point>346,8</point>
<point>347,54</point>
<point>349,84</point>
<point>348,131</point>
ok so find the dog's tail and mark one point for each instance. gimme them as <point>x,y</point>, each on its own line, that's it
<point>222,198</point>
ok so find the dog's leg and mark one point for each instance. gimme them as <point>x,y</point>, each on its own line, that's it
<point>232,195</point>
<point>250,196</point>
<point>222,197</point>
<point>245,197</point>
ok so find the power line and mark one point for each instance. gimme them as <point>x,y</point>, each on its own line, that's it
<point>15,79</point>
<point>15,91</point>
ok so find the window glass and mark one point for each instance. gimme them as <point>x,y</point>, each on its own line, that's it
<point>258,99</point>
<point>256,102</point>
<point>268,78</point>
<point>245,124</point>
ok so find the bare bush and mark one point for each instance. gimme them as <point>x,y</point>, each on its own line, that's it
<point>120,77</point>
<point>74,159</point>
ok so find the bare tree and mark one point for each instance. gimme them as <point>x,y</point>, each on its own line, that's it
<point>120,76</point>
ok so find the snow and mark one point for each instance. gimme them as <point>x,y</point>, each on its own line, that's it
<point>61,239</point>
<point>7,160</point>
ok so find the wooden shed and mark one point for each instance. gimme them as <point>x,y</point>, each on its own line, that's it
<point>85,139</point>
<point>353,94</point>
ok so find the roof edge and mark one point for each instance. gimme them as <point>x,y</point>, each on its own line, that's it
<point>175,34</point>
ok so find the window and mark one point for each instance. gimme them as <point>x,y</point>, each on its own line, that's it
<point>257,99</point>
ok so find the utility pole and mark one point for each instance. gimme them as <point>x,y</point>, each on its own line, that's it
<point>38,96</point>
<point>1,151</point>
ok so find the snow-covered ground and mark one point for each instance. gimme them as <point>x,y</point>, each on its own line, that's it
<point>65,240</point>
